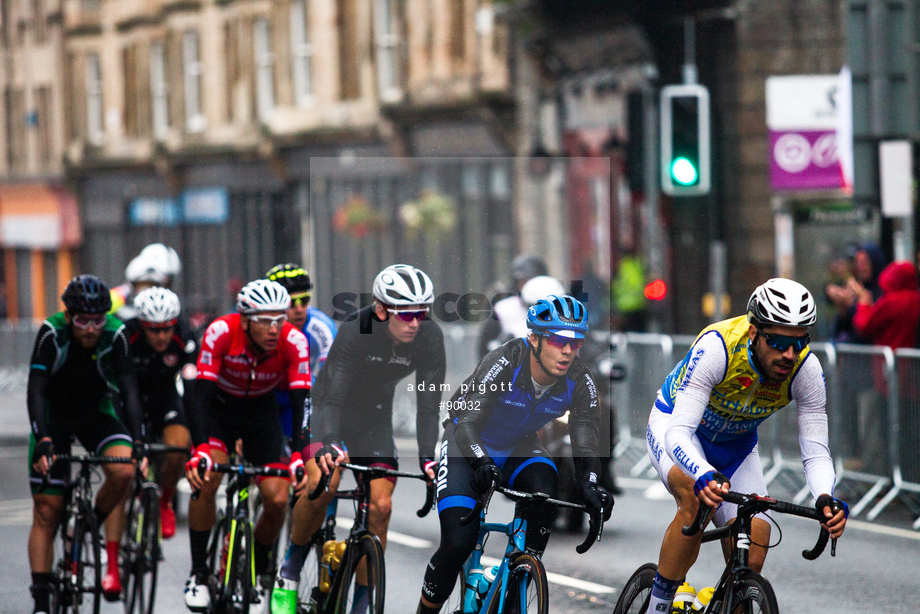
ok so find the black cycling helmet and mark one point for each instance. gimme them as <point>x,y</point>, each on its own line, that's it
<point>527,266</point>
<point>87,294</point>
<point>293,277</point>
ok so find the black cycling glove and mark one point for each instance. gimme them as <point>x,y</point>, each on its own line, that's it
<point>43,448</point>
<point>328,448</point>
<point>485,477</point>
<point>597,498</point>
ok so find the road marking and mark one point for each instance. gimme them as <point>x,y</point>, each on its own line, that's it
<point>392,536</point>
<point>555,578</point>
<point>883,530</point>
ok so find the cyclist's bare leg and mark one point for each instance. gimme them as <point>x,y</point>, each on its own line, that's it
<point>203,512</point>
<point>46,513</point>
<point>381,508</point>
<point>274,493</point>
<point>308,515</point>
<point>760,537</point>
<point>679,552</point>
<point>173,463</point>
<point>115,488</point>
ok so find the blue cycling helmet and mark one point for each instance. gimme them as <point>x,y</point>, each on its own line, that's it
<point>87,294</point>
<point>558,315</point>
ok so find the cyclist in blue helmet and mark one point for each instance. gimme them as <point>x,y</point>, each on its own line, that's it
<point>490,436</point>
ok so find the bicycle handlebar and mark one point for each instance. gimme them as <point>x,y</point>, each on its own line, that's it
<point>267,472</point>
<point>372,473</point>
<point>85,459</point>
<point>595,522</point>
<point>758,503</point>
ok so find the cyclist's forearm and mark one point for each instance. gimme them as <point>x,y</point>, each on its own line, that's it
<point>36,400</point>
<point>205,391</point>
<point>130,395</point>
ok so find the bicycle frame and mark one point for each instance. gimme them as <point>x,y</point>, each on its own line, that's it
<point>516,531</point>
<point>237,512</point>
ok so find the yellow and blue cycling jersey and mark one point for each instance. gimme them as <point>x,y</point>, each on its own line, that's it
<point>743,398</point>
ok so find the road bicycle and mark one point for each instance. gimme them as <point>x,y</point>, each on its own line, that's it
<point>333,568</point>
<point>77,569</point>
<point>230,558</point>
<point>141,544</point>
<point>519,583</point>
<point>740,589</point>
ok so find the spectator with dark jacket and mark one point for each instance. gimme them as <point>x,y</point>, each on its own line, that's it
<point>867,263</point>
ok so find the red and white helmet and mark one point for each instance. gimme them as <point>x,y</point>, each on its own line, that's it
<point>262,295</point>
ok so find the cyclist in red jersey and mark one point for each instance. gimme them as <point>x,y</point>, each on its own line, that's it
<point>244,357</point>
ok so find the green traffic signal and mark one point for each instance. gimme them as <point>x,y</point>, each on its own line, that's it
<point>683,171</point>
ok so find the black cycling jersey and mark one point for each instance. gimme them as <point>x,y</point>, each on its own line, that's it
<point>495,408</point>
<point>353,394</point>
<point>66,380</point>
<point>156,374</point>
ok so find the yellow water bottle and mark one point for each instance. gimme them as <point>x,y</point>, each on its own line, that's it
<point>702,598</point>
<point>325,571</point>
<point>683,599</point>
<point>338,555</point>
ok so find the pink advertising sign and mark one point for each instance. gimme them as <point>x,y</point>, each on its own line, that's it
<point>802,123</point>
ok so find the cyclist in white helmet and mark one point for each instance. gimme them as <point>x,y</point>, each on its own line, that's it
<point>155,266</point>
<point>374,350</point>
<point>244,357</point>
<point>702,430</point>
<point>161,355</point>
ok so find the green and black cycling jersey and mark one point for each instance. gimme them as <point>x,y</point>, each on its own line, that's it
<point>66,380</point>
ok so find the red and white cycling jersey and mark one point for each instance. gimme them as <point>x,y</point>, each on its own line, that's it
<point>226,359</point>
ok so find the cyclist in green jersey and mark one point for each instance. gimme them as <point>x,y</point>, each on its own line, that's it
<point>80,369</point>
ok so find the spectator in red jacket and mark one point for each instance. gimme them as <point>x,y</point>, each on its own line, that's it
<point>891,320</point>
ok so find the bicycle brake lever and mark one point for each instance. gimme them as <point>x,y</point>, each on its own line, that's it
<point>833,546</point>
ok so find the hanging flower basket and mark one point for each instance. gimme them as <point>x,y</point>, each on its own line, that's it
<point>433,214</point>
<point>358,218</point>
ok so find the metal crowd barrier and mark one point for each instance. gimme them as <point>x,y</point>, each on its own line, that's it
<point>873,417</point>
<point>17,338</point>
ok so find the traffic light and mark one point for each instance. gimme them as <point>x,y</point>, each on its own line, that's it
<point>685,164</point>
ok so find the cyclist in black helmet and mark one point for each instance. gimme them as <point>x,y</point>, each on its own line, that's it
<point>80,370</point>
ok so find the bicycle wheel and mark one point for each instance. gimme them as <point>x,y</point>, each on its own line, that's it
<point>236,592</point>
<point>526,590</point>
<point>309,598</point>
<point>366,559</point>
<point>753,595</point>
<point>142,552</point>
<point>637,592</point>
<point>81,587</point>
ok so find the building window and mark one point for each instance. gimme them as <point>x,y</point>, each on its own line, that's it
<point>457,41</point>
<point>302,54</point>
<point>43,118</point>
<point>265,82</point>
<point>15,129</point>
<point>94,128</point>
<point>191,66</point>
<point>158,90</point>
<point>39,21</point>
<point>348,49</point>
<point>387,41</point>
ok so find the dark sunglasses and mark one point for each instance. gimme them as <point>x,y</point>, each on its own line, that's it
<point>558,341</point>
<point>782,343</point>
<point>408,316</point>
<point>300,300</point>
<point>86,322</point>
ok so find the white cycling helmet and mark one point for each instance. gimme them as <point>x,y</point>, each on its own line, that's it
<point>157,305</point>
<point>262,295</point>
<point>143,269</point>
<point>165,258</point>
<point>403,284</point>
<point>539,287</point>
<point>783,302</point>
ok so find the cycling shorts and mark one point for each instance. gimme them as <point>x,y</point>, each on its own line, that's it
<point>377,460</point>
<point>163,412</point>
<point>454,471</point>
<point>97,431</point>
<point>254,420</point>
<point>738,460</point>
